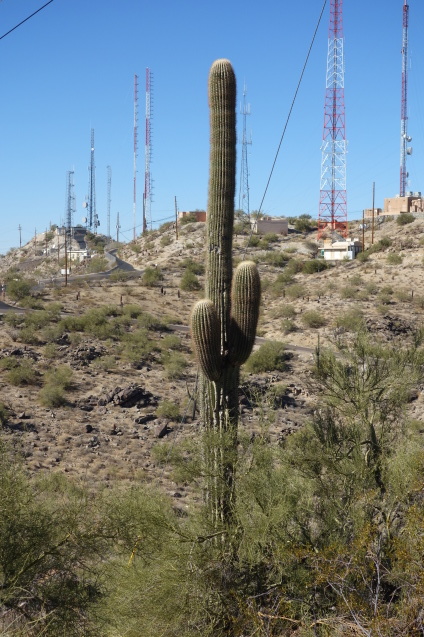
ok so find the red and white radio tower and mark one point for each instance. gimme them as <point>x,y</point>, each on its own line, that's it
<point>135,155</point>
<point>333,196</point>
<point>147,199</point>
<point>404,137</point>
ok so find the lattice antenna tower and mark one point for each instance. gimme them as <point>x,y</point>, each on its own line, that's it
<point>92,218</point>
<point>147,198</point>
<point>333,195</point>
<point>70,199</point>
<point>135,155</point>
<point>109,191</point>
<point>244,202</point>
<point>405,150</point>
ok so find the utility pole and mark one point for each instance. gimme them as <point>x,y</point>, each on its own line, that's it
<point>135,156</point>
<point>176,218</point>
<point>20,235</point>
<point>372,226</point>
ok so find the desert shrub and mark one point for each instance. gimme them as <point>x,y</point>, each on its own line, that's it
<point>137,346</point>
<point>171,341</point>
<point>52,396</point>
<point>371,287</point>
<point>271,356</point>
<point>168,409</point>
<point>253,241</point>
<point>135,247</point>
<point>150,322</point>
<point>351,320</point>
<point>363,257</point>
<point>288,326</point>
<point>151,277</point>
<point>405,218</point>
<point>385,242</point>
<point>286,311</point>
<point>394,259</point>
<point>61,376</point>
<point>165,240</point>
<point>193,266</point>
<point>175,364</point>
<point>119,276</point>
<point>313,318</point>
<point>277,259</point>
<point>294,266</point>
<point>19,288</point>
<point>106,363</point>
<point>4,414</point>
<point>271,237</point>
<point>21,373</point>
<point>97,264</point>
<point>132,310</point>
<point>314,265</point>
<point>349,292</point>
<point>189,282</point>
<point>295,291</point>
<point>402,295</point>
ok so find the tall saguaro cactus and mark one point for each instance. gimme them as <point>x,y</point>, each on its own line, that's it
<point>224,324</point>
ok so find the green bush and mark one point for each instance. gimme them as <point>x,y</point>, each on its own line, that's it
<point>394,259</point>
<point>193,266</point>
<point>314,265</point>
<point>189,282</point>
<point>151,277</point>
<point>286,311</point>
<point>52,396</point>
<point>4,414</point>
<point>405,218</point>
<point>175,364</point>
<point>168,409</point>
<point>351,320</point>
<point>295,291</point>
<point>61,376</point>
<point>271,356</point>
<point>18,289</point>
<point>21,373</point>
<point>277,259</point>
<point>312,318</point>
<point>97,264</point>
<point>165,240</point>
<point>119,276</point>
<point>288,326</point>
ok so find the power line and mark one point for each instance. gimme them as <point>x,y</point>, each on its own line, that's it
<point>26,19</point>
<point>292,104</point>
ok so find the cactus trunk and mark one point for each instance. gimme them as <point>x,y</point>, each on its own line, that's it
<point>223,335</point>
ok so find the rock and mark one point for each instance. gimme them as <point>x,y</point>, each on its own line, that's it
<point>88,428</point>
<point>162,430</point>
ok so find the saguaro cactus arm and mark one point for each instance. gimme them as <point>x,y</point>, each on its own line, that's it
<point>245,304</point>
<point>206,335</point>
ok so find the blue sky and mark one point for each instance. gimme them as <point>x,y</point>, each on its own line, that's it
<point>71,68</point>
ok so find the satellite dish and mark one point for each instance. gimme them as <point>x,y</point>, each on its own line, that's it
<point>409,150</point>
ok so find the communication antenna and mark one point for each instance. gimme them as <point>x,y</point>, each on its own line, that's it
<point>135,155</point>
<point>244,203</point>
<point>405,150</point>
<point>147,198</point>
<point>70,199</point>
<point>109,190</point>
<point>333,195</point>
<point>90,203</point>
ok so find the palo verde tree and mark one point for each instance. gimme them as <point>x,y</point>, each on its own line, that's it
<point>224,324</point>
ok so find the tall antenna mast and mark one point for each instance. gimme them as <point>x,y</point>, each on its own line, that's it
<point>135,154</point>
<point>109,190</point>
<point>333,195</point>
<point>404,137</point>
<point>70,199</point>
<point>93,219</point>
<point>244,203</point>
<point>147,199</point>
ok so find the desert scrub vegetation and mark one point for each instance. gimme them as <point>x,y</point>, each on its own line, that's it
<point>151,277</point>
<point>271,356</point>
<point>405,218</point>
<point>168,409</point>
<point>394,259</point>
<point>19,371</point>
<point>314,319</point>
<point>189,281</point>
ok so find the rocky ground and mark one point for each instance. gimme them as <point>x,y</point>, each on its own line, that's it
<point>110,427</point>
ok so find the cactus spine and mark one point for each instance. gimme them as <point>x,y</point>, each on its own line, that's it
<point>224,324</point>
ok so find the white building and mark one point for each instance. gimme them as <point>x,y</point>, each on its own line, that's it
<point>343,250</point>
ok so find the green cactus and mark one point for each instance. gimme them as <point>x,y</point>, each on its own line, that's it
<point>224,324</point>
